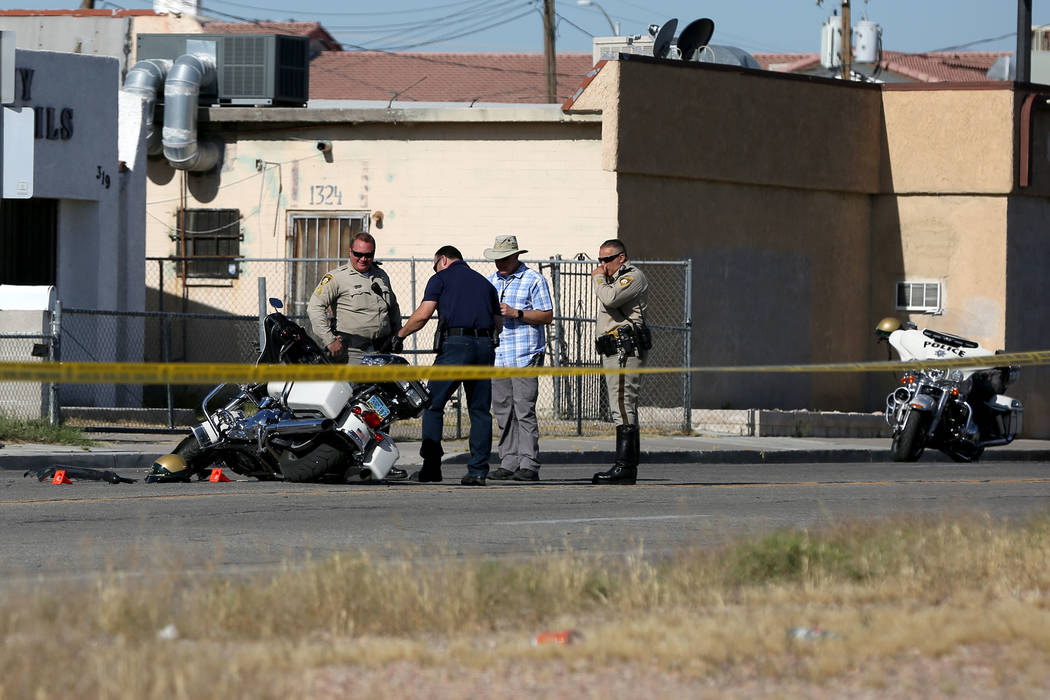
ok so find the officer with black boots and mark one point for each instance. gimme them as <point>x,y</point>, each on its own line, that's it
<point>622,342</point>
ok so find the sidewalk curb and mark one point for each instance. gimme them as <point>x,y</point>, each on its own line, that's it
<point>759,456</point>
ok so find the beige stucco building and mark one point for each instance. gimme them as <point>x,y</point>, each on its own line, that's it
<point>807,204</point>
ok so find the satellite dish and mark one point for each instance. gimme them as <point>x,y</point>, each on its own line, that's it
<point>662,42</point>
<point>695,36</point>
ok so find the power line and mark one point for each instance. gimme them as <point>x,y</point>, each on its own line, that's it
<point>351,14</point>
<point>565,19</point>
<point>455,20</point>
<point>462,14</point>
<point>449,37</point>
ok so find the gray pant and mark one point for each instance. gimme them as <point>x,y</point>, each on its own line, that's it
<point>623,390</point>
<point>514,405</point>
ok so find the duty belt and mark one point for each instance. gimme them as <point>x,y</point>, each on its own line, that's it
<point>472,332</point>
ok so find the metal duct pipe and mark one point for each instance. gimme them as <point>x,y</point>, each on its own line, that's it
<point>146,78</point>
<point>182,87</point>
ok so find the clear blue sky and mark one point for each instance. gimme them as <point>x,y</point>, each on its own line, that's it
<point>516,25</point>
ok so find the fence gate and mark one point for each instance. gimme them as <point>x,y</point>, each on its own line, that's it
<point>27,337</point>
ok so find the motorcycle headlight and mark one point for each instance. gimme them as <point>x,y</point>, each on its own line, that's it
<point>955,375</point>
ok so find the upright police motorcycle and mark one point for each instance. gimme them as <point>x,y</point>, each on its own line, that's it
<point>298,431</point>
<point>957,411</point>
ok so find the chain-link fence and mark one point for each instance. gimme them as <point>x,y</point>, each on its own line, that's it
<point>30,400</point>
<point>217,319</point>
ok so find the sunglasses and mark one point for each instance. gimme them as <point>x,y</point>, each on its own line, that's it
<point>359,254</point>
<point>609,258</point>
<point>436,263</point>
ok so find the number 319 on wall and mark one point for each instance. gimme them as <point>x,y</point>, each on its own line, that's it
<point>326,195</point>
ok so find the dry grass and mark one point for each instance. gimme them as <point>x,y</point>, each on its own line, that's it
<point>935,608</point>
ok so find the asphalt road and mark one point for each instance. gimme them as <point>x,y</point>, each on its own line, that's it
<point>68,531</point>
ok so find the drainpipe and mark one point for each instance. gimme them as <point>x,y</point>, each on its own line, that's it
<point>182,87</point>
<point>146,78</point>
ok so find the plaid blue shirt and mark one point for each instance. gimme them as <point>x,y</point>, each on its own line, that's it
<point>527,290</point>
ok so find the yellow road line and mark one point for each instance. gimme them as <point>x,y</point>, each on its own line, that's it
<point>406,488</point>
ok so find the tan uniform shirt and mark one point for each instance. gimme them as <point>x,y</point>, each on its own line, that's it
<point>359,310</point>
<point>623,298</point>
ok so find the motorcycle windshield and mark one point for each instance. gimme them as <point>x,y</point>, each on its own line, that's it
<point>287,343</point>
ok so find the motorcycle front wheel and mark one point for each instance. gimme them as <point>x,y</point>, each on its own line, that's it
<point>910,442</point>
<point>199,459</point>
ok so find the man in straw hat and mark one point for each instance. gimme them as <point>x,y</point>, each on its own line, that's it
<point>526,307</point>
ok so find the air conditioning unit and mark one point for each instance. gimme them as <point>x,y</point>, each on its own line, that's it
<point>253,69</point>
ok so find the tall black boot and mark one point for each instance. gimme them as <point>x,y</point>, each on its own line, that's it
<point>625,470</point>
<point>431,453</point>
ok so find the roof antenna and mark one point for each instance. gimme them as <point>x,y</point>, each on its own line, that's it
<point>395,95</point>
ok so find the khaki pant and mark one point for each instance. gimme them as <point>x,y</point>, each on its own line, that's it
<point>623,390</point>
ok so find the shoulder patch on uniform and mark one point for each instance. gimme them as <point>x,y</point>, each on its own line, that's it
<point>324,280</point>
<point>625,280</point>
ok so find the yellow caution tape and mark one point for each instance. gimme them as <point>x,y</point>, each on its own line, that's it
<point>211,373</point>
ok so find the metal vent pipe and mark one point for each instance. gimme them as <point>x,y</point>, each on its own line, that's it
<point>182,88</point>
<point>146,78</point>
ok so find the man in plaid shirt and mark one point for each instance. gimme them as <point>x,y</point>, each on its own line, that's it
<point>526,307</point>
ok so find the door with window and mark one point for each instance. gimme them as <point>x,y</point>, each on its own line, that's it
<point>318,242</point>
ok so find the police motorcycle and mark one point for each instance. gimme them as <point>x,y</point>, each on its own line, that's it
<point>959,411</point>
<point>300,430</point>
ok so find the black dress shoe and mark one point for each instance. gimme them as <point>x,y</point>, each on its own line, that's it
<point>526,475</point>
<point>471,480</point>
<point>423,476</point>
<point>396,474</point>
<point>501,474</point>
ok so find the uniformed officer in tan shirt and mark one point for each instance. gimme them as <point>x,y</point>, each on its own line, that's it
<point>360,295</point>
<point>623,295</point>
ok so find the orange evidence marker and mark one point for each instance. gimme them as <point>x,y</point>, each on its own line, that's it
<point>560,637</point>
<point>60,477</point>
<point>217,475</point>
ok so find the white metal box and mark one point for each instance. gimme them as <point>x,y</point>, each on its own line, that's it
<point>321,398</point>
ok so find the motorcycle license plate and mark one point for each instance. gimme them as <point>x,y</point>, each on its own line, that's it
<point>379,407</point>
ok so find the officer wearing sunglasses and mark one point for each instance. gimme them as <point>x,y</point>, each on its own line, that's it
<point>622,342</point>
<point>366,311</point>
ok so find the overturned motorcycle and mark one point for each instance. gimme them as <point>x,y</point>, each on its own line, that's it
<point>298,431</point>
<point>957,411</point>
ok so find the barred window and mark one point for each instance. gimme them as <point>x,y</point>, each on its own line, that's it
<point>919,296</point>
<point>212,239</point>
<point>319,242</point>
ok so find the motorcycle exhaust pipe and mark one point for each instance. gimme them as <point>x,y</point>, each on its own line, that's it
<point>300,426</point>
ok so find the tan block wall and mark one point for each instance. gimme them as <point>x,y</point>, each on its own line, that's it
<point>949,141</point>
<point>779,277</point>
<point>958,241</point>
<point>708,123</point>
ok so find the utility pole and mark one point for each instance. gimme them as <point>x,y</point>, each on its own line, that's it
<point>548,50</point>
<point>847,43</point>
<point>1023,53</point>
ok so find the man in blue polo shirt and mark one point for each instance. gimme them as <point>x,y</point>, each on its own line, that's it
<point>525,303</point>
<point>469,323</point>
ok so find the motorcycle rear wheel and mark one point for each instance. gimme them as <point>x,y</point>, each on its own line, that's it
<point>910,442</point>
<point>325,460</point>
